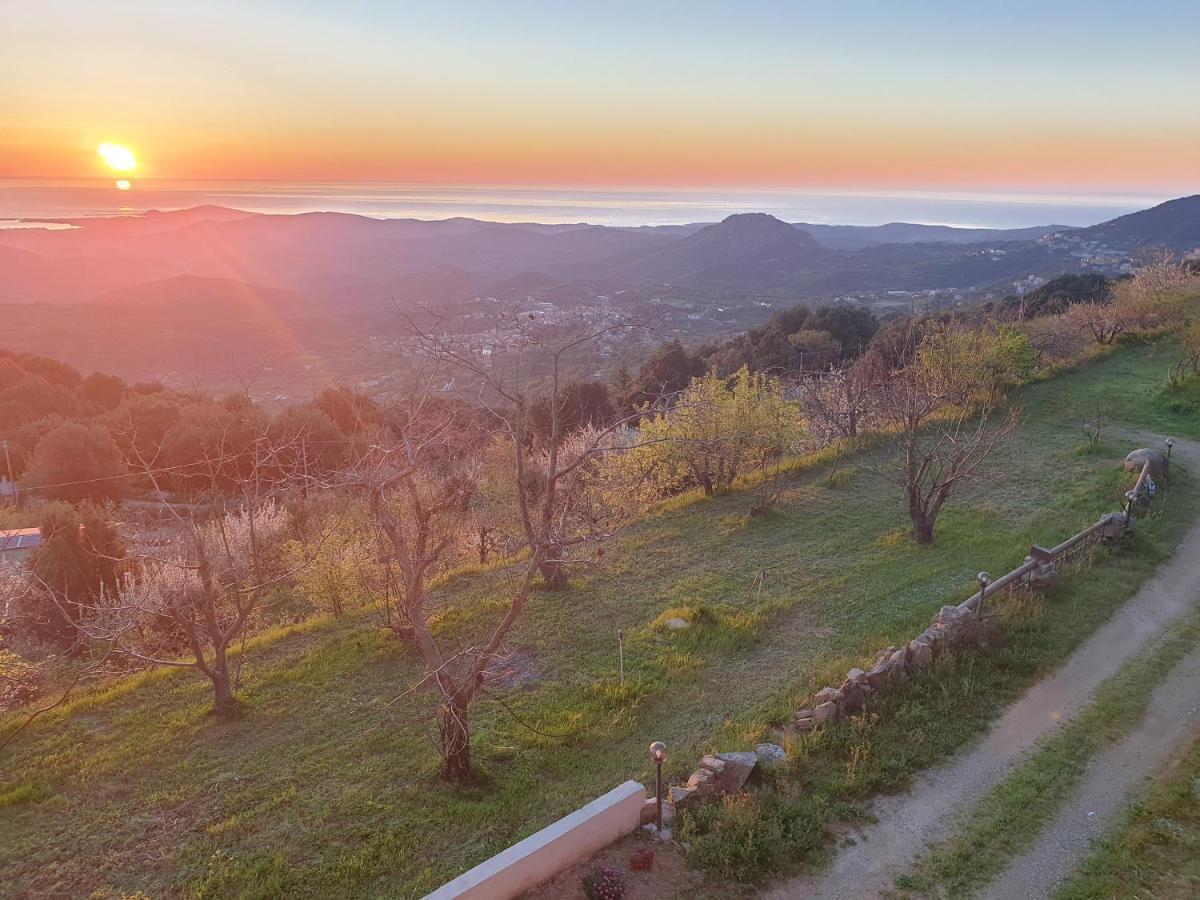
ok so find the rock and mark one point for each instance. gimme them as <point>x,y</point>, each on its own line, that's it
<point>826,695</point>
<point>677,624</point>
<point>770,754</point>
<point>713,764</point>
<point>807,724</point>
<point>897,662</point>
<point>682,797</point>
<point>826,713</point>
<point>947,617</point>
<point>704,782</point>
<point>650,811</point>
<point>853,698</point>
<point>919,655</point>
<point>803,713</point>
<point>1138,458</point>
<point>856,674</point>
<point>878,677</point>
<point>738,766</point>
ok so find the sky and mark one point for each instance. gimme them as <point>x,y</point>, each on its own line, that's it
<point>985,95</point>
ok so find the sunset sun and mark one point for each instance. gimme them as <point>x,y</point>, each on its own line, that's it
<point>117,157</point>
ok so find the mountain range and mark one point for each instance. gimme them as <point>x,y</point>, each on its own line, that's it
<point>229,277</point>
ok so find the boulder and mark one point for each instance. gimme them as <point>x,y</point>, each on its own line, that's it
<point>854,696</point>
<point>677,624</point>
<point>947,617</point>
<point>897,663</point>
<point>826,695</point>
<point>856,674</point>
<point>919,655</point>
<point>738,766</point>
<point>878,677</point>
<point>714,764</point>
<point>1157,459</point>
<point>826,713</point>
<point>682,797</point>
<point>806,724</point>
<point>770,754</point>
<point>704,782</point>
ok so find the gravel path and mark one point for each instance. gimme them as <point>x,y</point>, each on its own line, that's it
<point>907,824</point>
<point>1112,779</point>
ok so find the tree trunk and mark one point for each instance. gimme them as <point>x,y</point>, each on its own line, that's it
<point>225,705</point>
<point>456,741</point>
<point>922,518</point>
<point>553,572</point>
<point>922,528</point>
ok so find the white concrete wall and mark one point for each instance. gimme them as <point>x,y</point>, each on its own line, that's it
<point>543,855</point>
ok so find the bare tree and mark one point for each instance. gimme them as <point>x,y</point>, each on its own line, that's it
<point>842,407</point>
<point>420,493</point>
<point>942,436</point>
<point>185,603</point>
<point>199,594</point>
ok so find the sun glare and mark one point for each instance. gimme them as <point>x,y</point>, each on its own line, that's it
<point>117,157</point>
<point>122,185</point>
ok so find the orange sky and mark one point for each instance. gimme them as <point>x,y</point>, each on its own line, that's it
<point>757,93</point>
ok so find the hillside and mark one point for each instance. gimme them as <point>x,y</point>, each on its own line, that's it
<point>326,786</point>
<point>183,329</point>
<point>1174,225</point>
<point>856,237</point>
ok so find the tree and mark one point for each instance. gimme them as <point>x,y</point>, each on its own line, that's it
<point>851,326</point>
<point>581,404</point>
<point>718,429</point>
<point>80,558</point>
<point>943,433</point>
<point>816,349</point>
<point>199,594</point>
<point>844,407</point>
<point>106,391</point>
<point>983,362</point>
<point>420,493</point>
<point>77,462</point>
<point>351,410</point>
<point>668,371</point>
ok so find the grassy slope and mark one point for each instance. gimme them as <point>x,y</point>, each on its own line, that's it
<point>326,788</point>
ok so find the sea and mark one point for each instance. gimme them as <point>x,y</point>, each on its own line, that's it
<point>23,202</point>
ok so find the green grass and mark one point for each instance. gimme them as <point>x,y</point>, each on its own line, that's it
<point>1009,819</point>
<point>1132,380</point>
<point>832,773</point>
<point>327,787</point>
<point>1156,851</point>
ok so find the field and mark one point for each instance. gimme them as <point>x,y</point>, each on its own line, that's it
<point>328,784</point>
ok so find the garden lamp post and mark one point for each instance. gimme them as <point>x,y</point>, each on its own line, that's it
<point>984,580</point>
<point>1170,444</point>
<point>658,756</point>
<point>1130,496</point>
